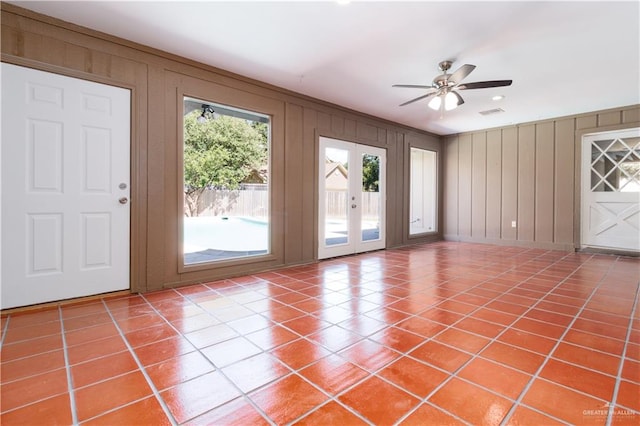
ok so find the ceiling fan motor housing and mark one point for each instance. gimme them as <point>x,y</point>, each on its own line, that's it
<point>441,81</point>
<point>445,65</point>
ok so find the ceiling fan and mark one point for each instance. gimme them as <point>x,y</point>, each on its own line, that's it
<point>444,95</point>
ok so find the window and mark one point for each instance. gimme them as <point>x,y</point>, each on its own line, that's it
<point>226,182</point>
<point>615,165</point>
<point>422,201</point>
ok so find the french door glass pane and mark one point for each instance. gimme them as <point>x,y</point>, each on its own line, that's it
<point>370,220</point>
<point>337,196</point>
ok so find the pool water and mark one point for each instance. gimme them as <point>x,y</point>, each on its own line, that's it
<point>233,234</point>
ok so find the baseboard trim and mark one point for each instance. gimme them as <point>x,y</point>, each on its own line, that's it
<point>512,243</point>
<point>65,302</point>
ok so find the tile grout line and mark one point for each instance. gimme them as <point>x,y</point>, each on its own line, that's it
<point>491,340</point>
<point>559,340</point>
<point>219,370</point>
<point>296,372</point>
<point>431,338</point>
<point>366,337</point>
<point>494,339</point>
<point>599,288</point>
<point>422,400</point>
<point>616,387</point>
<point>6,329</point>
<point>140,366</point>
<point>331,398</point>
<point>72,396</point>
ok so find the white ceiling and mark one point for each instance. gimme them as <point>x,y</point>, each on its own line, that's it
<point>563,57</point>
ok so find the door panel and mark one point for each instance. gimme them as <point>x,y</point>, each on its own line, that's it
<point>611,190</point>
<point>351,206</point>
<point>65,187</point>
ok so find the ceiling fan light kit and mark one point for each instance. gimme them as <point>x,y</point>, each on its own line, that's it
<point>443,95</point>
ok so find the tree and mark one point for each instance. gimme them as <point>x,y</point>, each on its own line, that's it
<point>370,172</point>
<point>219,153</point>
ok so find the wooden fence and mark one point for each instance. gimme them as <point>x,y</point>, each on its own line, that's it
<point>254,202</point>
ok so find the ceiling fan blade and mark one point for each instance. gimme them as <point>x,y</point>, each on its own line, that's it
<point>461,73</point>
<point>412,86</point>
<point>484,84</point>
<point>418,98</point>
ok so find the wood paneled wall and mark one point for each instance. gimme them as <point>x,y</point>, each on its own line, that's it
<point>155,79</point>
<point>528,173</point>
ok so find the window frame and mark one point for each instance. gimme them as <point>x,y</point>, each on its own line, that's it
<point>435,193</point>
<point>240,100</point>
<point>242,114</point>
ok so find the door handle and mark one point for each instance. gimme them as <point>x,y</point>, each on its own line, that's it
<point>123,200</point>
<point>353,206</point>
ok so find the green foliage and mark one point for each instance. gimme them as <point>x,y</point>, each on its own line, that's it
<point>222,152</point>
<point>370,173</point>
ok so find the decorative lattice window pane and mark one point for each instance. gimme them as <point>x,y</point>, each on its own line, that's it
<point>615,165</point>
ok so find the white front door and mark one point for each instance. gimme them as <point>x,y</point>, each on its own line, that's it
<point>65,187</point>
<point>351,184</point>
<point>611,190</point>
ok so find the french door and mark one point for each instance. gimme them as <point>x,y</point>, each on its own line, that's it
<point>611,190</point>
<point>351,180</point>
<point>65,187</point>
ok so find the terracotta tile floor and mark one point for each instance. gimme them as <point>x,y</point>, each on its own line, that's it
<point>446,333</point>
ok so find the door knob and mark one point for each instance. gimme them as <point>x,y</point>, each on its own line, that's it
<point>123,200</point>
<point>353,206</point>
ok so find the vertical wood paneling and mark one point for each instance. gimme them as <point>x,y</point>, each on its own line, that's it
<point>140,179</point>
<point>324,122</point>
<point>31,45</point>
<point>9,40</point>
<point>119,68</point>
<point>293,189</point>
<point>494,183</point>
<point>465,152</point>
<point>165,169</point>
<point>451,175</point>
<point>310,194</point>
<point>74,56</point>
<point>366,131</point>
<point>544,182</point>
<point>526,182</point>
<point>395,177</point>
<point>99,63</point>
<point>586,122</point>
<point>509,182</point>
<point>382,135</point>
<point>51,49</point>
<point>631,115</point>
<point>564,181</point>
<point>609,118</point>
<point>349,128</point>
<point>479,184</point>
<point>337,124</point>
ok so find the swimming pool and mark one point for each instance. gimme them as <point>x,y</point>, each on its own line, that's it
<point>228,234</point>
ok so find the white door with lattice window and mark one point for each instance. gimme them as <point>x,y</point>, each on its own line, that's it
<point>65,187</point>
<point>611,190</point>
